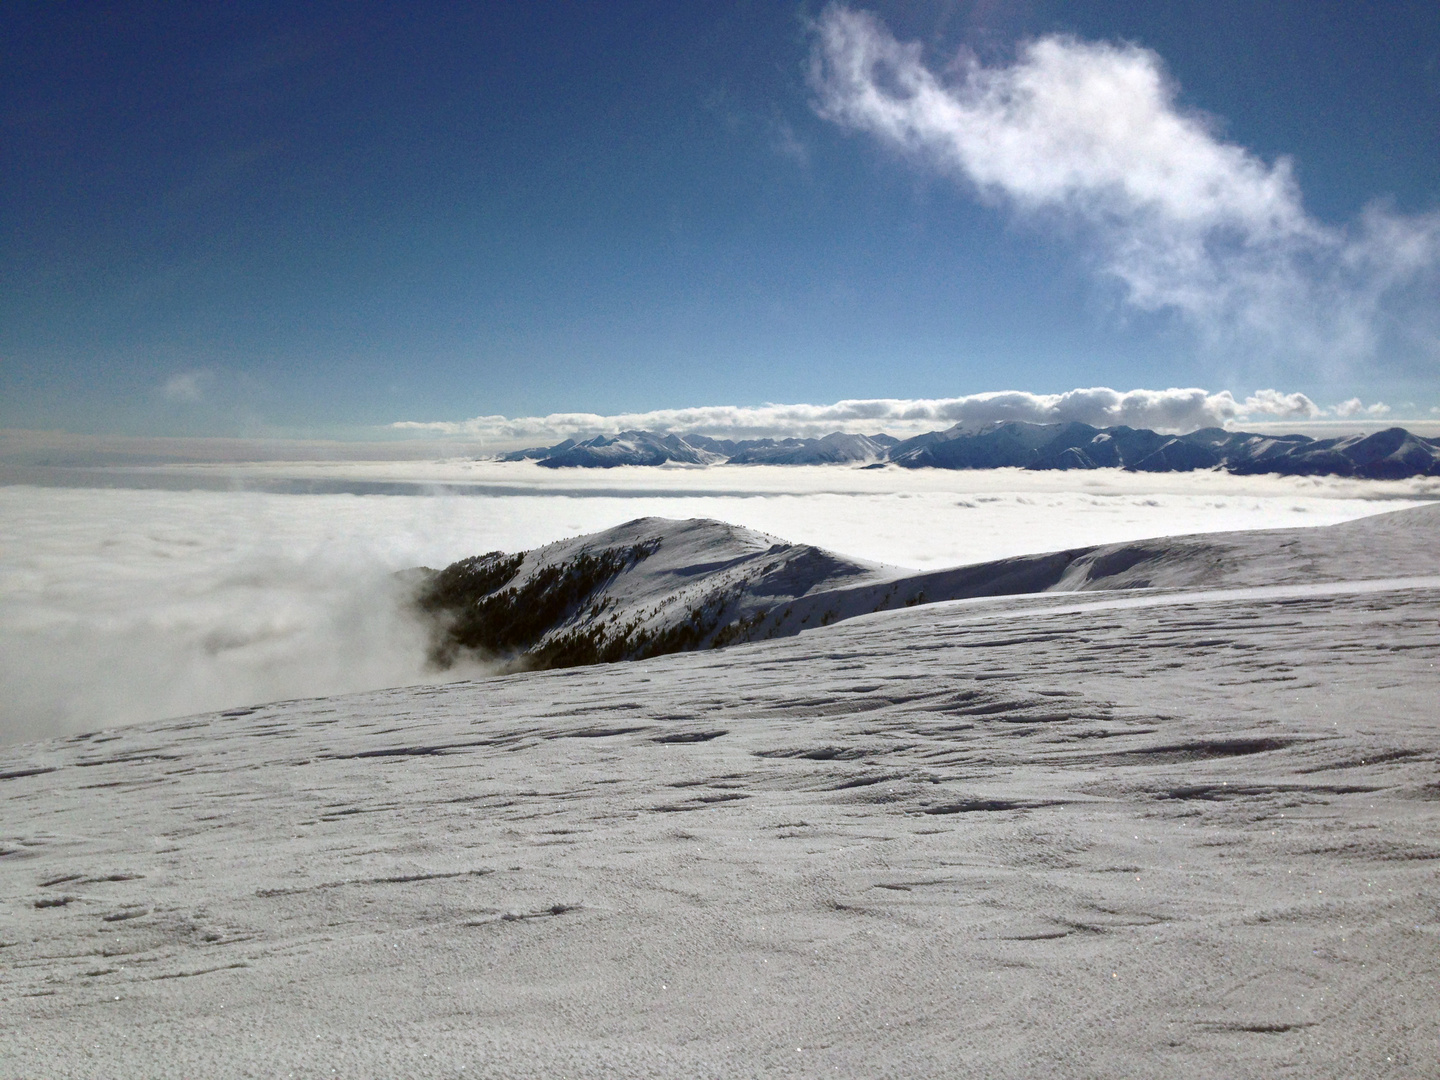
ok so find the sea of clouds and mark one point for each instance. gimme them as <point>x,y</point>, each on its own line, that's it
<point>125,604</point>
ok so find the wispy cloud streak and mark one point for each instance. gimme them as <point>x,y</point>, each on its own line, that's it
<point>1089,134</point>
<point>186,387</point>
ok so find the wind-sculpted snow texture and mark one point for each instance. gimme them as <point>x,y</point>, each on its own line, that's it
<point>1392,454</point>
<point>1154,833</point>
<point>655,586</point>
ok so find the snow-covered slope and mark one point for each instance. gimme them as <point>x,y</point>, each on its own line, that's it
<point>648,587</point>
<point>1122,835</point>
<point>627,448</point>
<point>832,449</point>
<point>1383,455</point>
<point>655,586</point>
<point>1402,542</point>
<point>659,448</point>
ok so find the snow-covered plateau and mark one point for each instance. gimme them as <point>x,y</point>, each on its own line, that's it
<point>1175,816</point>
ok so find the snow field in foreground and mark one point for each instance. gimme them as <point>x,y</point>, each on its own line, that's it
<point>1036,836</point>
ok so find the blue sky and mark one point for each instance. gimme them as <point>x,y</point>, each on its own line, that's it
<point>321,219</point>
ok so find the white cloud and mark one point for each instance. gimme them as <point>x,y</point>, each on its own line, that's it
<point>787,143</point>
<point>1274,403</point>
<point>185,388</point>
<point>1355,407</point>
<point>1175,409</point>
<point>1089,133</point>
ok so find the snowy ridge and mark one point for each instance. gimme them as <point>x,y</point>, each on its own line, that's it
<point>1392,454</point>
<point>627,448</point>
<point>655,586</point>
<point>1385,455</point>
<point>832,449</point>
<point>645,588</point>
<point>658,448</point>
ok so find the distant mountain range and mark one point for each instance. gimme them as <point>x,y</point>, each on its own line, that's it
<point>1392,454</point>
<point>654,448</point>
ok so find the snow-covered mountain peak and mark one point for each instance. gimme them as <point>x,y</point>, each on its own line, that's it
<point>649,586</point>
<point>1384,455</point>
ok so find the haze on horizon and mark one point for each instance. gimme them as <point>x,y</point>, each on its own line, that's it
<point>325,223</point>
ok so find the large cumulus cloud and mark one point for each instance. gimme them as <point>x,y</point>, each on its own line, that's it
<point>1089,136</point>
